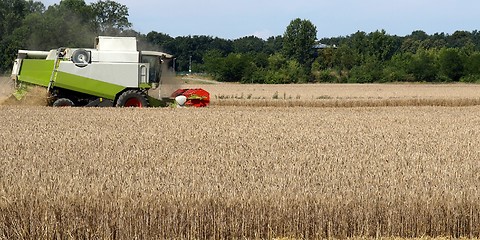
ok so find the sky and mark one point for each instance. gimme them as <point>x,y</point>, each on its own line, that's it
<point>232,19</point>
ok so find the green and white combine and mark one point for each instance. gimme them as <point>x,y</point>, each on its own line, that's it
<point>114,73</point>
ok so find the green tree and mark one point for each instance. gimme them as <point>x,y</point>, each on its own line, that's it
<point>273,44</point>
<point>422,66</point>
<point>359,42</point>
<point>227,69</point>
<point>450,64</point>
<point>213,62</point>
<point>418,35</point>
<point>472,68</point>
<point>248,44</point>
<point>396,69</point>
<point>195,47</point>
<point>160,39</point>
<point>298,41</point>
<point>325,59</point>
<point>67,24</point>
<point>369,72</point>
<point>472,64</point>
<point>382,46</point>
<point>459,39</point>
<point>410,45</point>
<point>346,57</point>
<point>282,70</point>
<point>110,17</point>
<point>12,15</point>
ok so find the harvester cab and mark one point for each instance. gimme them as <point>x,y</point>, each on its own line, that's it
<point>113,73</point>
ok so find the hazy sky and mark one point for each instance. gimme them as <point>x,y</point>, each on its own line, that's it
<point>232,19</point>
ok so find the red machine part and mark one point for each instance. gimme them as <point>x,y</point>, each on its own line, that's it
<point>196,97</point>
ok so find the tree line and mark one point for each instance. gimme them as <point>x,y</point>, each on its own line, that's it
<point>297,56</point>
<point>358,58</point>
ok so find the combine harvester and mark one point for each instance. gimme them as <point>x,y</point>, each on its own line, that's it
<point>114,73</point>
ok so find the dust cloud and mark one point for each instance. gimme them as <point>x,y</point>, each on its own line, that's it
<point>6,88</point>
<point>168,82</point>
<point>35,95</point>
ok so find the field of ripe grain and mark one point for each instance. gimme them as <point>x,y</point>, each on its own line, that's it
<point>343,95</point>
<point>237,172</point>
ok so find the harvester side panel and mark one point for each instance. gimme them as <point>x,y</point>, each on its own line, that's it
<point>106,43</point>
<point>122,74</point>
<point>36,71</point>
<point>103,80</point>
<point>115,57</point>
<point>87,85</point>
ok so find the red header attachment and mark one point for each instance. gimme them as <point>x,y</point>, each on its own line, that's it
<point>195,97</point>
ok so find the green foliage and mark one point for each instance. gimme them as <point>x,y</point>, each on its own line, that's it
<point>213,62</point>
<point>110,17</point>
<point>395,70</point>
<point>194,48</point>
<point>281,71</point>
<point>359,58</point>
<point>228,69</point>
<point>274,44</point>
<point>382,46</point>
<point>450,64</point>
<point>160,39</point>
<point>326,76</point>
<point>233,68</point>
<point>12,14</point>
<point>369,72</point>
<point>249,44</point>
<point>298,41</point>
<point>472,64</point>
<point>346,57</point>
<point>422,66</point>
<point>472,78</point>
<point>70,23</point>
<point>292,58</point>
<point>326,59</point>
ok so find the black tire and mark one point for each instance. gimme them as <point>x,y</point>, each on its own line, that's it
<point>132,98</point>
<point>81,57</point>
<point>63,102</point>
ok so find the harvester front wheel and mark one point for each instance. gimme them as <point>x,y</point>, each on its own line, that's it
<point>63,102</point>
<point>132,98</point>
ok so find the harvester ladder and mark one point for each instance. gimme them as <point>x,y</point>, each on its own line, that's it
<point>53,77</point>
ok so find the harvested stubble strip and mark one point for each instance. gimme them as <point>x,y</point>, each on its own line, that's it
<point>335,103</point>
<point>239,172</point>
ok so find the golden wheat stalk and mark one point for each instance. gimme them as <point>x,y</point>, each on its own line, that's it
<point>239,172</point>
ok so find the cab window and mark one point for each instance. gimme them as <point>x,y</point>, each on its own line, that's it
<point>154,68</point>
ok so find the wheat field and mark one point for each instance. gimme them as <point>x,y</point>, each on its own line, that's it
<point>228,172</point>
